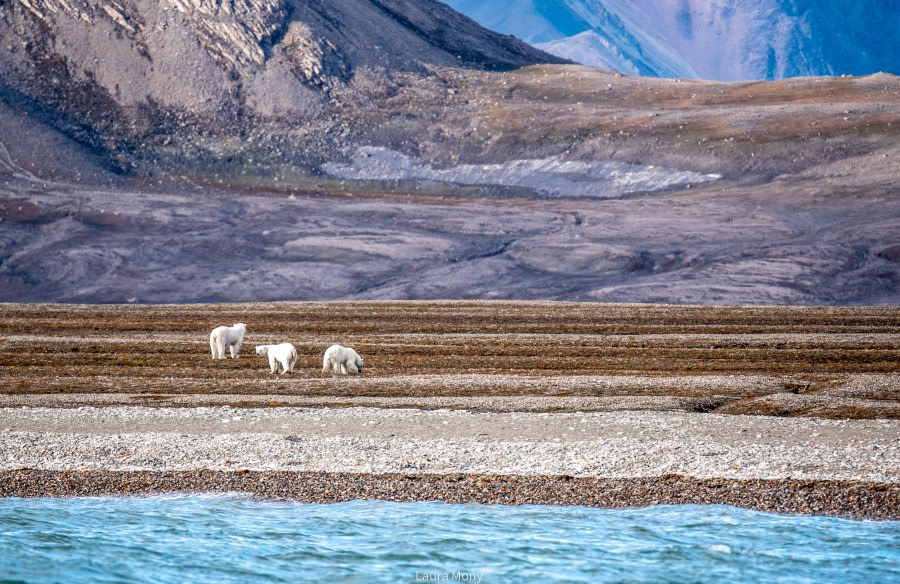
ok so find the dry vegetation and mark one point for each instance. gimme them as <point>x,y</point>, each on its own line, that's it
<point>828,362</point>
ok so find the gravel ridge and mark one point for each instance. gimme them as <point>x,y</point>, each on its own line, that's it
<point>447,442</point>
<point>844,468</point>
<point>849,499</point>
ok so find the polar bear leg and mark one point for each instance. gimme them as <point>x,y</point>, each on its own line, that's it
<point>286,366</point>
<point>273,363</point>
<point>343,370</point>
<point>212,345</point>
<point>351,367</point>
<point>293,362</point>
<point>235,349</point>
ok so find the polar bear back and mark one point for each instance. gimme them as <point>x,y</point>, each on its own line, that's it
<point>284,354</point>
<point>224,337</point>
<point>237,331</point>
<point>342,360</point>
<point>280,351</point>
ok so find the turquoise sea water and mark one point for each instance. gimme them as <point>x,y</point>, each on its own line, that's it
<point>230,539</point>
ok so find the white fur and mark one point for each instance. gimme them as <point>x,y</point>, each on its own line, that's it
<point>284,354</point>
<point>342,360</point>
<point>231,337</point>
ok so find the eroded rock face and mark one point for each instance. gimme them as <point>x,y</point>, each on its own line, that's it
<point>234,32</point>
<point>118,12</point>
<point>321,42</point>
<point>316,62</point>
<point>238,34</point>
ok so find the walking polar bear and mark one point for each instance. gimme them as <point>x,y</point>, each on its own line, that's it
<point>284,354</point>
<point>231,337</point>
<point>342,360</point>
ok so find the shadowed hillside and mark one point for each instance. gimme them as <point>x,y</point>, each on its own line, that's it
<point>285,150</point>
<point>152,85</point>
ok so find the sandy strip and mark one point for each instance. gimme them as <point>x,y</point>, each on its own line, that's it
<point>445,442</point>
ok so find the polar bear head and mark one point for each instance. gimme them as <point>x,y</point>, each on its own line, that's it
<point>262,350</point>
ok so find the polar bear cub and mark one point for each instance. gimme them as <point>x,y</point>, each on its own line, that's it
<point>342,360</point>
<point>284,354</point>
<point>231,337</point>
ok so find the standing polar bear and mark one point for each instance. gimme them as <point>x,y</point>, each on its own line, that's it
<point>284,354</point>
<point>231,337</point>
<point>342,360</point>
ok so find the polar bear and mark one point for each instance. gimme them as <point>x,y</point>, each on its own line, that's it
<point>284,354</point>
<point>342,360</point>
<point>227,336</point>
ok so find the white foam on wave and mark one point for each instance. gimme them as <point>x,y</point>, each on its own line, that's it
<point>548,176</point>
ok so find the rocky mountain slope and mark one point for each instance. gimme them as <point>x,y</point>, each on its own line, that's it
<point>213,154</point>
<point>724,40</point>
<point>142,83</point>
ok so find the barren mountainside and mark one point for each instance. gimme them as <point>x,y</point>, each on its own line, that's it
<point>127,77</point>
<point>254,150</point>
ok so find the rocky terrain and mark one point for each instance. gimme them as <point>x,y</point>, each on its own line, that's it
<point>287,150</point>
<point>786,409</point>
<point>207,151</point>
<point>155,86</point>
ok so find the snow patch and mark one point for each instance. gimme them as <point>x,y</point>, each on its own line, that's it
<point>552,177</point>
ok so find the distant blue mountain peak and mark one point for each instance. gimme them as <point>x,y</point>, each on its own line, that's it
<point>726,40</point>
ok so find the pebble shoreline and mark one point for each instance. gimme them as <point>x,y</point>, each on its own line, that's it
<point>847,468</point>
<point>847,499</point>
<point>407,441</point>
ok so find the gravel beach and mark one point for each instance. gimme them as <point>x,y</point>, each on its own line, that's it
<point>812,465</point>
<point>378,441</point>
<point>848,499</point>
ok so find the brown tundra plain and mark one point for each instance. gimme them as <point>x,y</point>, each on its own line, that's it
<point>478,355</point>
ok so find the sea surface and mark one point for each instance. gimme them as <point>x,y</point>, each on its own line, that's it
<point>226,539</point>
